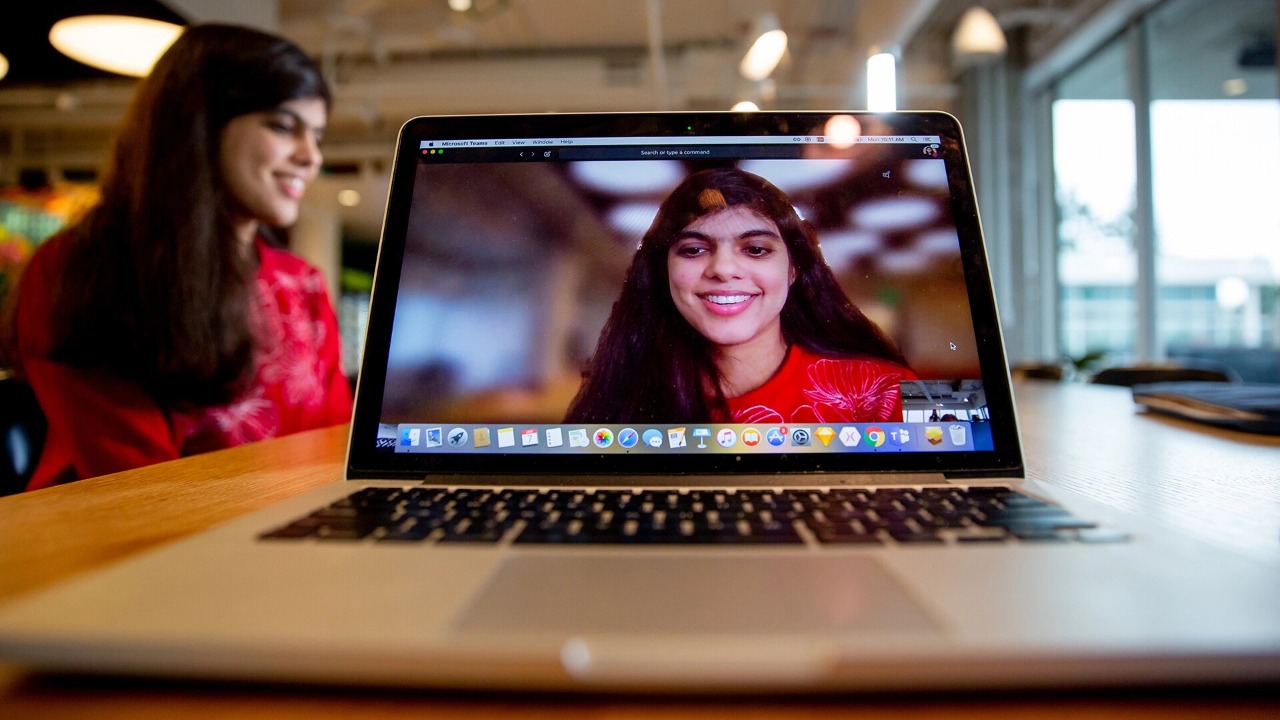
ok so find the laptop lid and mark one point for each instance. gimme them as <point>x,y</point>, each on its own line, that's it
<point>577,294</point>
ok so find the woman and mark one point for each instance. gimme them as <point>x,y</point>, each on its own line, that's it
<point>729,314</point>
<point>165,322</point>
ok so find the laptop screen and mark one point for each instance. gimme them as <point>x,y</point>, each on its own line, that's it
<point>682,293</point>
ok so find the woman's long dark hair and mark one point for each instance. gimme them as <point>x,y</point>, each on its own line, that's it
<point>157,287</point>
<point>651,365</point>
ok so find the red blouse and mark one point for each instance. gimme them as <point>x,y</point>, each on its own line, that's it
<point>100,423</point>
<point>813,389</point>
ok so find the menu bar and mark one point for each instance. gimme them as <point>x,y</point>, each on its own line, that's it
<point>670,140</point>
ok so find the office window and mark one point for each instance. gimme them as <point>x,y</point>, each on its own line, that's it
<point>1197,82</point>
<point>1215,140</point>
<point>1094,179</point>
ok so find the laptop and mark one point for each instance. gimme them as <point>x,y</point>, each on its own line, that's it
<point>537,495</point>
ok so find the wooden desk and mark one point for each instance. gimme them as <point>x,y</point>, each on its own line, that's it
<point>1221,486</point>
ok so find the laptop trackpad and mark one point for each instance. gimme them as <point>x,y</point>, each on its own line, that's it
<point>576,594</point>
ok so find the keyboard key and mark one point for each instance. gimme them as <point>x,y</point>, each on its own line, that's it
<point>836,536</point>
<point>1102,535</point>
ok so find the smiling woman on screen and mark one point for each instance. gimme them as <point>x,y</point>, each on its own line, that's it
<point>728,313</point>
<point>167,322</point>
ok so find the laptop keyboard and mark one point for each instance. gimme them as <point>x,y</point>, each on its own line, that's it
<point>838,516</point>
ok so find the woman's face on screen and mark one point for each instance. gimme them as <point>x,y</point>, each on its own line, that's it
<point>729,274</point>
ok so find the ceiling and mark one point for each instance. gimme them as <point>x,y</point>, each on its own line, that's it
<point>24,41</point>
<point>390,60</point>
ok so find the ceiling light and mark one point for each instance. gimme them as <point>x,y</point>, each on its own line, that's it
<point>927,173</point>
<point>902,262</point>
<point>66,102</point>
<point>882,82</point>
<point>842,249</point>
<point>766,50</point>
<point>348,197</point>
<point>978,36</point>
<point>460,5</point>
<point>745,106</point>
<point>628,177</point>
<point>4,66</point>
<point>792,177</point>
<point>1234,87</point>
<point>115,43</point>
<point>631,220</point>
<point>895,214</point>
<point>1231,293</point>
<point>939,243</point>
<point>842,131</point>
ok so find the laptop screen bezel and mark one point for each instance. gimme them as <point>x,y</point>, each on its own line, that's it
<point>365,461</point>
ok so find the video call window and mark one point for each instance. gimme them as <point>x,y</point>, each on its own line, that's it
<point>511,271</point>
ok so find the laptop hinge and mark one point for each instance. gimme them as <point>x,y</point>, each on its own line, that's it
<point>735,480</point>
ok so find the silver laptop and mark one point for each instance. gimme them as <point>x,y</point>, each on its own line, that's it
<point>687,401</point>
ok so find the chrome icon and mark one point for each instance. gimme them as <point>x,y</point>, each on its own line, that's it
<point>874,436</point>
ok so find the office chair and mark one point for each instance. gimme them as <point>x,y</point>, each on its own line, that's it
<point>1036,371</point>
<point>1128,376</point>
<point>22,433</point>
<point>1243,364</point>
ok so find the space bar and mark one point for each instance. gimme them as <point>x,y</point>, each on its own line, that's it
<point>590,535</point>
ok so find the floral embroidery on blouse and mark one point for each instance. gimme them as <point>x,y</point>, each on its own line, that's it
<point>288,334</point>
<point>812,389</point>
<point>248,419</point>
<point>852,391</point>
<point>289,370</point>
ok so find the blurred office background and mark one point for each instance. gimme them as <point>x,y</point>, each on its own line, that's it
<point>1126,152</point>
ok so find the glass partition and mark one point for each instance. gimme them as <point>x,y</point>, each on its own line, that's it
<point>1095,181</point>
<point>1215,137</point>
